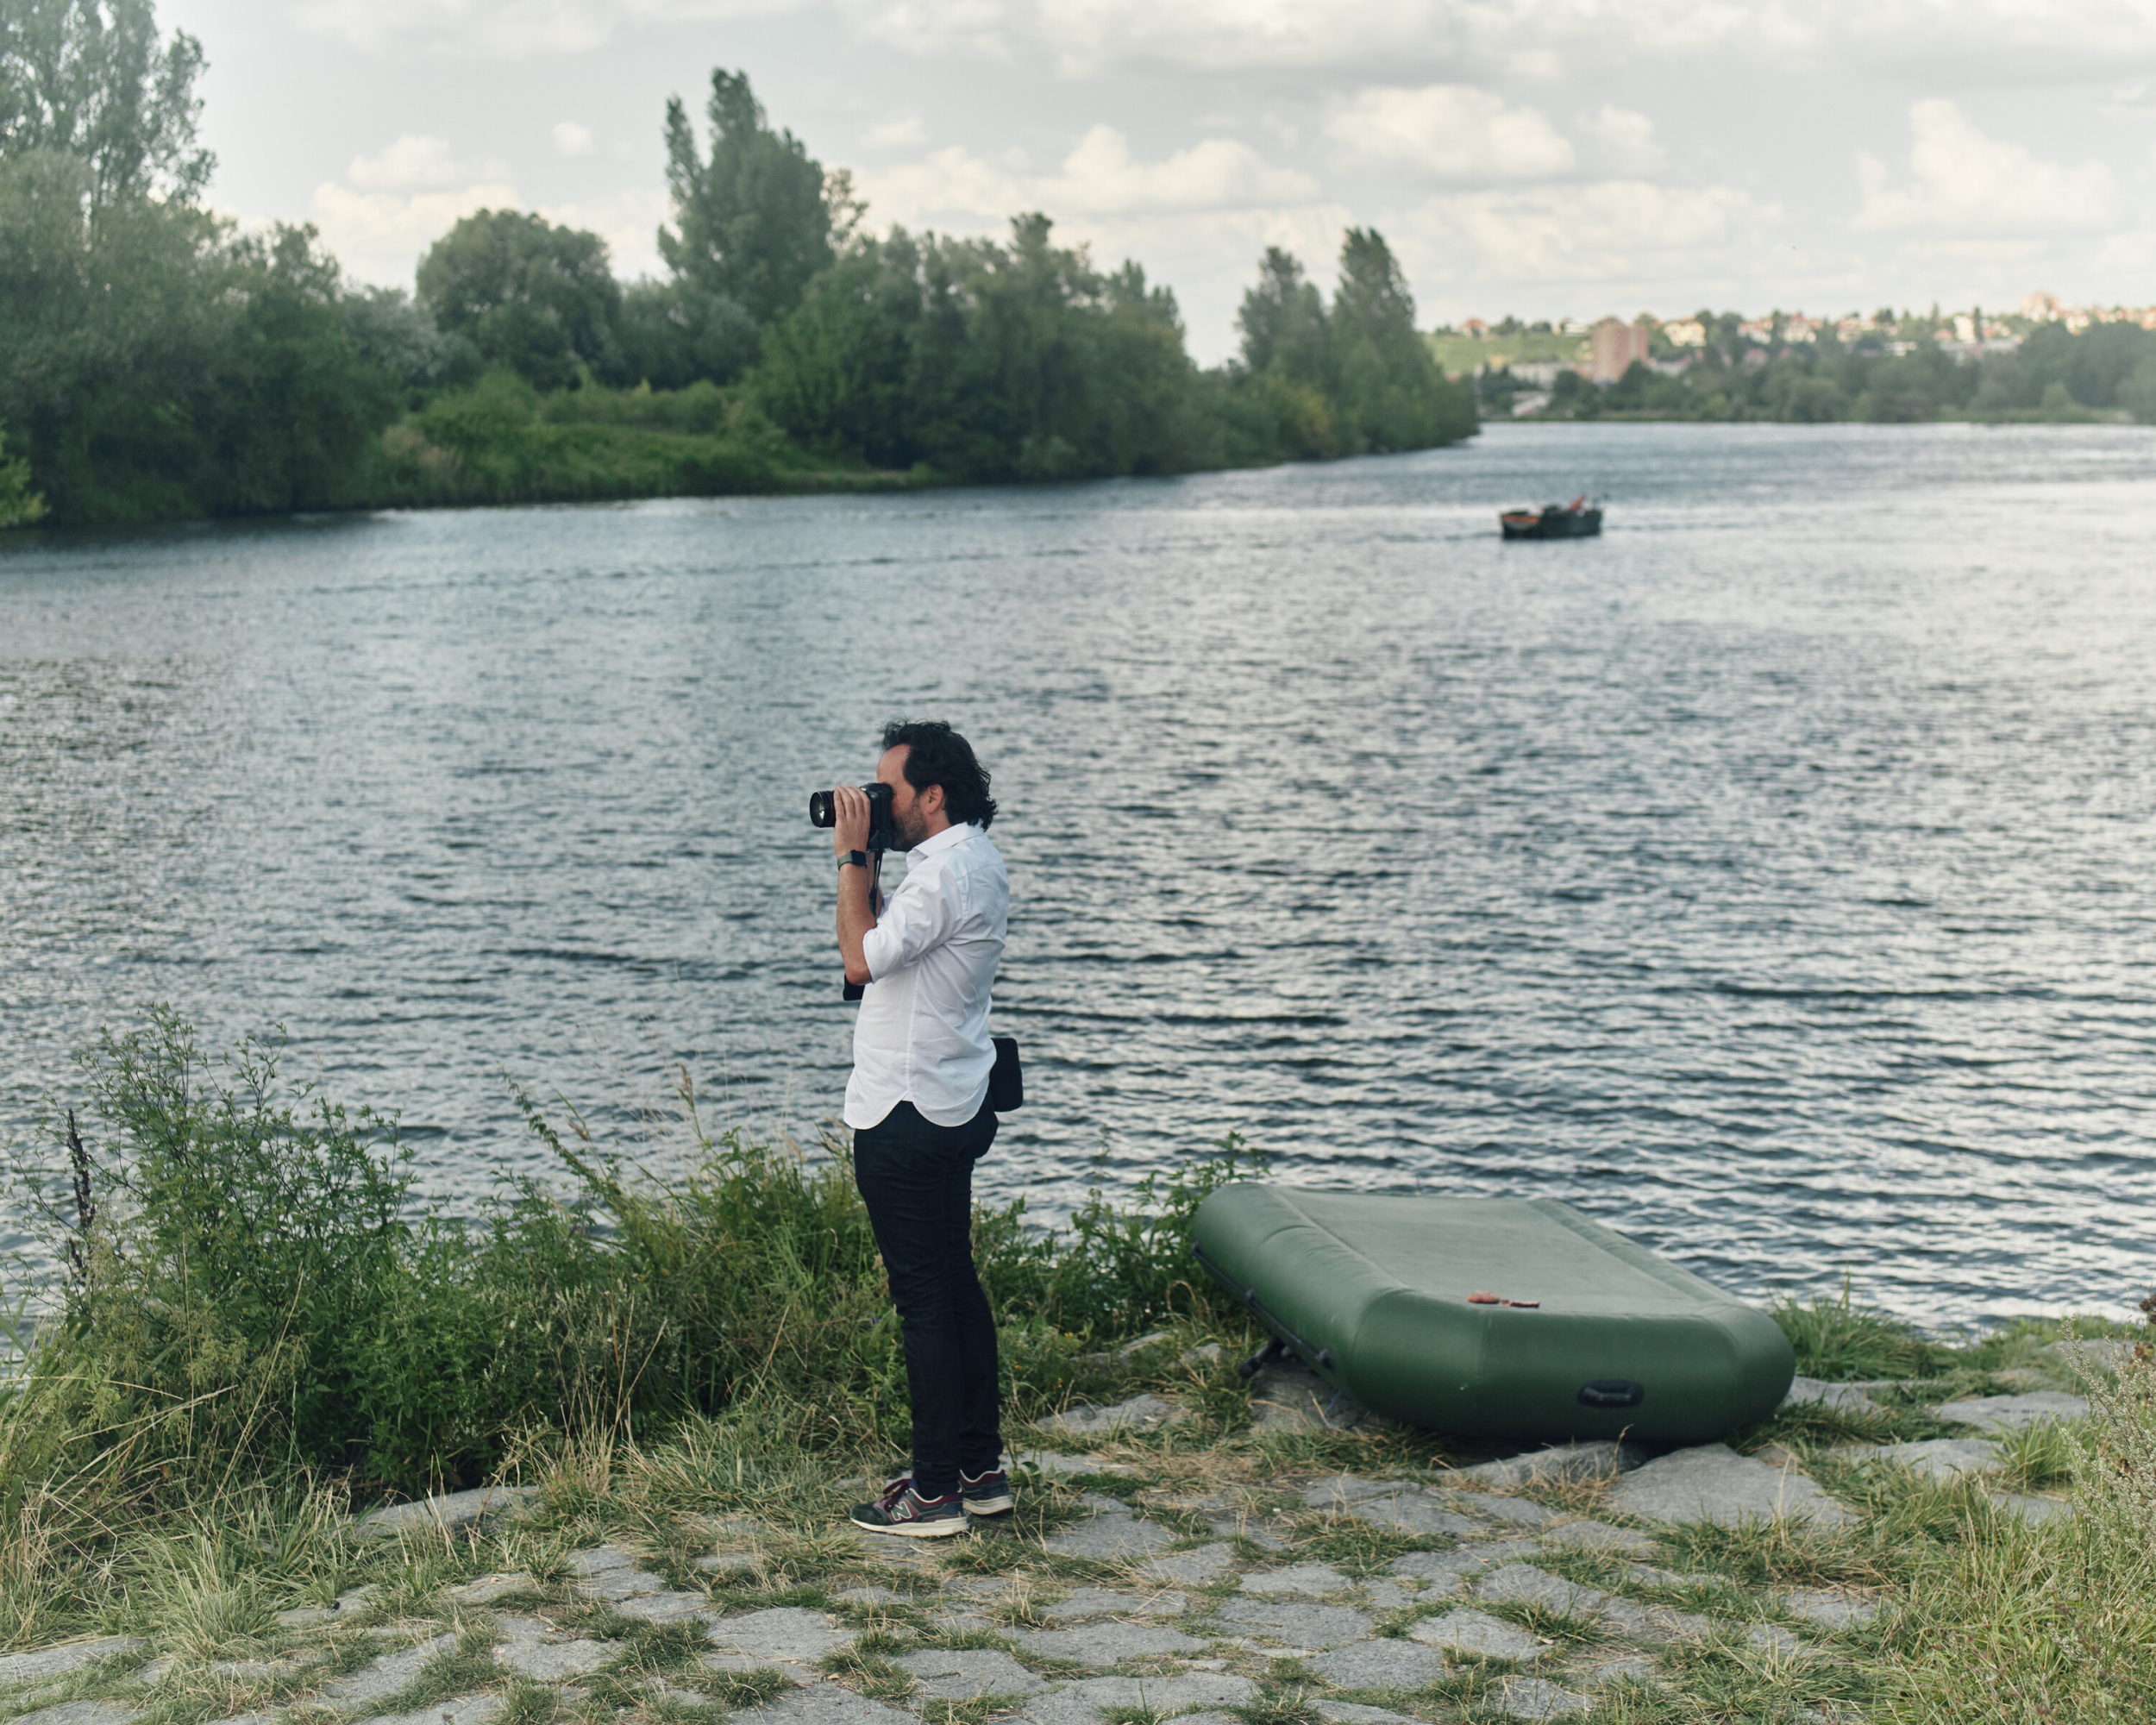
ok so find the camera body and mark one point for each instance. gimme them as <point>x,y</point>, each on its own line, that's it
<point>882,835</point>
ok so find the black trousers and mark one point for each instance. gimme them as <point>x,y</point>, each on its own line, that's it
<point>916,1179</point>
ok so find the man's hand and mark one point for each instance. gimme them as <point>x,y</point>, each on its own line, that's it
<point>856,914</point>
<point>849,822</point>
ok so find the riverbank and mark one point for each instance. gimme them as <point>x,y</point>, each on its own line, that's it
<point>677,1389</point>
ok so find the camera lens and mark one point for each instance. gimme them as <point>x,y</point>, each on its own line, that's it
<point>821,813</point>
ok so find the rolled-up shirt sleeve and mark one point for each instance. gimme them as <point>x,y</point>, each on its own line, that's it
<point>917,918</point>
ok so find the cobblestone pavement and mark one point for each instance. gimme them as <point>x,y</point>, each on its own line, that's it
<point>1114,1596</point>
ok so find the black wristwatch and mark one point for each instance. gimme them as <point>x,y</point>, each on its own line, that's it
<point>858,858</point>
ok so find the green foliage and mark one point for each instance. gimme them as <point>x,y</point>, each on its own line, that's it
<point>501,441</point>
<point>250,1287</point>
<point>1842,1342</point>
<point>19,504</point>
<point>2107,371</point>
<point>89,79</point>
<point>537,298</point>
<point>756,220</point>
<point>1350,381</point>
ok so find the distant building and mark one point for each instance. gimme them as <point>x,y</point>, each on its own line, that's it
<point>1614,347</point>
<point>2040,307</point>
<point>1854,328</point>
<point>1797,327</point>
<point>1476,327</point>
<point>1685,332</point>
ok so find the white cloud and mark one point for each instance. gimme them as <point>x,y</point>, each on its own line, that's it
<point>504,29</point>
<point>1621,144</point>
<point>897,134</point>
<point>572,139</point>
<point>1450,131</point>
<point>628,221</point>
<point>415,163</point>
<point>1099,176</point>
<point>1964,184</point>
<point>1612,231</point>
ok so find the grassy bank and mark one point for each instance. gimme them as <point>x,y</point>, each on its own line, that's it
<point>502,442</point>
<point>263,1330</point>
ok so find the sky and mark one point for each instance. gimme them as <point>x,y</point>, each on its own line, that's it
<point>1545,157</point>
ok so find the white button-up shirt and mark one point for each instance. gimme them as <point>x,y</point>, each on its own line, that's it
<point>922,1035</point>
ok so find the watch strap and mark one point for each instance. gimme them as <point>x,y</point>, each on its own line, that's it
<point>858,858</point>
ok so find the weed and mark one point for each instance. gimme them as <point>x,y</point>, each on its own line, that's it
<point>1841,1341</point>
<point>974,1710</point>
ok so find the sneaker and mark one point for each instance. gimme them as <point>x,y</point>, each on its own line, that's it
<point>986,1494</point>
<point>901,1509</point>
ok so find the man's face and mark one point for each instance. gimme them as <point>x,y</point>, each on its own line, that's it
<point>909,820</point>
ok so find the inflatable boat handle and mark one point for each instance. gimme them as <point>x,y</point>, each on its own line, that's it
<point>1320,1358</point>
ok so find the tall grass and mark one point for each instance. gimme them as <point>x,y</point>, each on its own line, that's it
<point>250,1289</point>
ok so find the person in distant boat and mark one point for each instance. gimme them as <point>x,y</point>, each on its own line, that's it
<point>920,1108</point>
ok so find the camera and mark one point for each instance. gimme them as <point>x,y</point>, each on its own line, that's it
<point>882,836</point>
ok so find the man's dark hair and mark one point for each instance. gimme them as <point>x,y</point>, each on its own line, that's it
<point>936,755</point>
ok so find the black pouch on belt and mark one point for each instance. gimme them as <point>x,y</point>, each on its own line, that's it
<point>1006,1081</point>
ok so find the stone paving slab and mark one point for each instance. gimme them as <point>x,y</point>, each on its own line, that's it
<point>532,1647</point>
<point>1655,1623</point>
<point>616,1584</point>
<point>825,1703</point>
<point>1598,1536</point>
<point>1107,1644</point>
<point>1184,1692</point>
<point>1353,1713</point>
<point>790,1634</point>
<point>465,1709</point>
<point>1712,1483</point>
<point>1382,1664</point>
<point>1827,1608</point>
<point>1305,1577</point>
<point>47,1663</point>
<point>961,1676</point>
<point>1842,1398</point>
<point>1192,1568</point>
<point>1110,1538</point>
<point>1772,1638</point>
<point>484,1590</point>
<point>1099,1602</point>
<point>2034,1510</point>
<point>453,1509</point>
<point>1524,1585</point>
<point>1301,1625</point>
<point>1338,1490</point>
<point>80,1713</point>
<point>1479,1634</point>
<point>600,1559</point>
<point>1413,1511</point>
<point>746,1664</point>
<point>1559,1464</point>
<point>387,1675</point>
<point>1940,1459</point>
<point>1141,1413</point>
<point>1631,1669</point>
<point>1445,1571</point>
<point>1529,1698</point>
<point>2012,1413</point>
<point>1520,1512</point>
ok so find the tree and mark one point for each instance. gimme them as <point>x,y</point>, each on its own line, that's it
<point>538,299</point>
<point>1283,324</point>
<point>1389,388</point>
<point>88,79</point>
<point>757,220</point>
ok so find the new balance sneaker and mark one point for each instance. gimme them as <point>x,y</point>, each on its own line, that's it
<point>986,1494</point>
<point>901,1509</point>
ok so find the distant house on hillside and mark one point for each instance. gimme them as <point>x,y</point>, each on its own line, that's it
<point>1614,346</point>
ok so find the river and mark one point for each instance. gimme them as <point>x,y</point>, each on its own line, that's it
<point>1770,877</point>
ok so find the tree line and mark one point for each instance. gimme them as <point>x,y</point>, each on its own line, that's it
<point>2107,371</point>
<point>157,362</point>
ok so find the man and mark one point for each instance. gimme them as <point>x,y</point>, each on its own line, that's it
<point>918,1104</point>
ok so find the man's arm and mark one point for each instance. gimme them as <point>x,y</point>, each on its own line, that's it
<point>856,915</point>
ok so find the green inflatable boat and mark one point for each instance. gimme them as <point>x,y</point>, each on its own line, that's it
<point>1498,1317</point>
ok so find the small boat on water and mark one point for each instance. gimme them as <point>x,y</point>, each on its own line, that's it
<point>1578,519</point>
